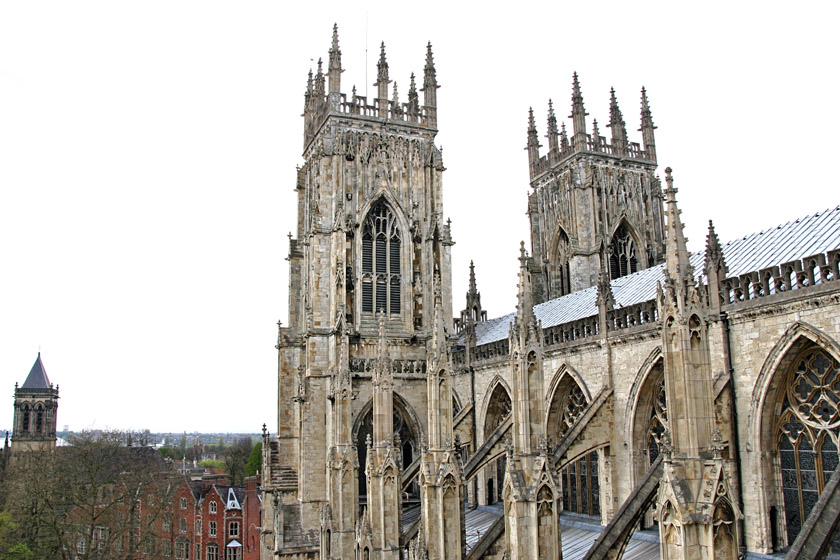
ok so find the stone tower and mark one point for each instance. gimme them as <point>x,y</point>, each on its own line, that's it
<point>592,199</point>
<point>352,387</point>
<point>36,405</point>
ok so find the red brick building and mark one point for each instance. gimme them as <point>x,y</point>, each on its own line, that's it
<point>212,520</point>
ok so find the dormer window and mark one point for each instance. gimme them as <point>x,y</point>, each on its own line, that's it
<point>381,246</point>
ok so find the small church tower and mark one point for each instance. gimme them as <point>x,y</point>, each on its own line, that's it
<point>36,404</point>
<point>592,192</point>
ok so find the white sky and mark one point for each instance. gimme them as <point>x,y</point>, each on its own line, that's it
<point>148,153</point>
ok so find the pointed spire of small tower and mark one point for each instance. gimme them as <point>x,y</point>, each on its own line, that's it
<point>413,101</point>
<point>533,146</point>
<point>320,84</point>
<point>578,116</point>
<point>472,313</point>
<point>36,404</point>
<point>553,133</point>
<point>430,86</point>
<point>715,269</point>
<point>382,82</point>
<point>619,130</point>
<point>473,289</point>
<point>647,128</point>
<point>396,107</point>
<point>335,63</point>
<point>676,254</point>
<point>564,138</point>
<point>525,322</point>
<point>596,136</point>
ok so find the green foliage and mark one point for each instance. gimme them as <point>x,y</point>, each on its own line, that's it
<point>212,463</point>
<point>254,464</point>
<point>10,549</point>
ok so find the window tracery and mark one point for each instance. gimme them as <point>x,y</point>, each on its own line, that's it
<point>381,254</point>
<point>807,434</point>
<point>623,259</point>
<point>658,422</point>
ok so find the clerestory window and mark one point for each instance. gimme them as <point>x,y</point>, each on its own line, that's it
<point>381,246</point>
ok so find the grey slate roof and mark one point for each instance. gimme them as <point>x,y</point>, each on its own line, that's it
<point>37,378</point>
<point>796,239</point>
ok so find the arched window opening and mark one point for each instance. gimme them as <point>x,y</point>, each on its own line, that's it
<point>403,432</point>
<point>498,409</point>
<point>806,434</point>
<point>381,253</point>
<point>623,260</point>
<point>658,423</point>
<point>581,491</point>
<point>39,420</point>
<point>567,405</point>
<point>562,281</point>
<point>26,418</point>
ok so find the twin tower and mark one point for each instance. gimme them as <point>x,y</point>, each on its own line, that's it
<point>365,463</point>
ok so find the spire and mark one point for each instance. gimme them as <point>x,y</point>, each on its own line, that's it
<point>37,378</point>
<point>335,63</point>
<point>413,101</point>
<point>533,146</point>
<point>473,291</point>
<point>564,138</point>
<point>438,321</point>
<point>647,129</point>
<point>676,254</point>
<point>525,322</point>
<point>619,130</point>
<point>319,82</point>
<point>382,82</point>
<point>307,97</point>
<point>430,86</point>
<point>596,136</point>
<point>578,116</point>
<point>396,108</point>
<point>552,128</point>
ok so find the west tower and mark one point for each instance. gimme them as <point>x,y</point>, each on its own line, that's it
<point>592,199</point>
<point>369,272</point>
<point>36,405</point>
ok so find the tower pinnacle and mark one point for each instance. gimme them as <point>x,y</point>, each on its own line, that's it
<point>430,86</point>
<point>647,128</point>
<point>619,130</point>
<point>676,253</point>
<point>335,63</point>
<point>382,82</point>
<point>552,128</point>
<point>578,116</point>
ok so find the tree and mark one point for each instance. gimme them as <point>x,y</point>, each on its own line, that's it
<point>235,458</point>
<point>254,464</point>
<point>94,499</point>
<point>10,547</point>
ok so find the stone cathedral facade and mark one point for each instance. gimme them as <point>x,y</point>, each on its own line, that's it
<point>635,386</point>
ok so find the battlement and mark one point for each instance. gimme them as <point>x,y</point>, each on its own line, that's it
<point>561,146</point>
<point>324,99</point>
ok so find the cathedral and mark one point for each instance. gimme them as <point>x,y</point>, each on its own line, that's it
<point>687,402</point>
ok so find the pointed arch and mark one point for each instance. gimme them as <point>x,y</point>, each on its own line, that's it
<point>646,414</point>
<point>566,399</point>
<point>796,428</point>
<point>494,389</point>
<point>407,424</point>
<point>559,270</point>
<point>626,250</point>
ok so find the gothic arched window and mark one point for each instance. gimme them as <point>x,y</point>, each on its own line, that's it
<point>26,415</point>
<point>806,433</point>
<point>39,419</point>
<point>581,490</point>
<point>381,246</point>
<point>623,260</point>
<point>562,280</point>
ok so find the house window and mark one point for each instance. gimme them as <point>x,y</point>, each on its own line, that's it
<point>212,507</point>
<point>81,545</point>
<point>198,526</point>
<point>182,550</point>
<point>233,529</point>
<point>381,252</point>
<point>166,523</point>
<point>212,551</point>
<point>234,553</point>
<point>183,503</point>
<point>165,548</point>
<point>182,526</point>
<point>212,528</point>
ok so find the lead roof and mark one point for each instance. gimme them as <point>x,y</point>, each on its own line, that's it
<point>793,240</point>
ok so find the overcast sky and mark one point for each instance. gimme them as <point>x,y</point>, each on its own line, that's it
<point>148,153</point>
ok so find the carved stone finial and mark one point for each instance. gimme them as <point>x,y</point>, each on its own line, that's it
<point>369,441</point>
<point>665,444</point>
<point>717,443</point>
